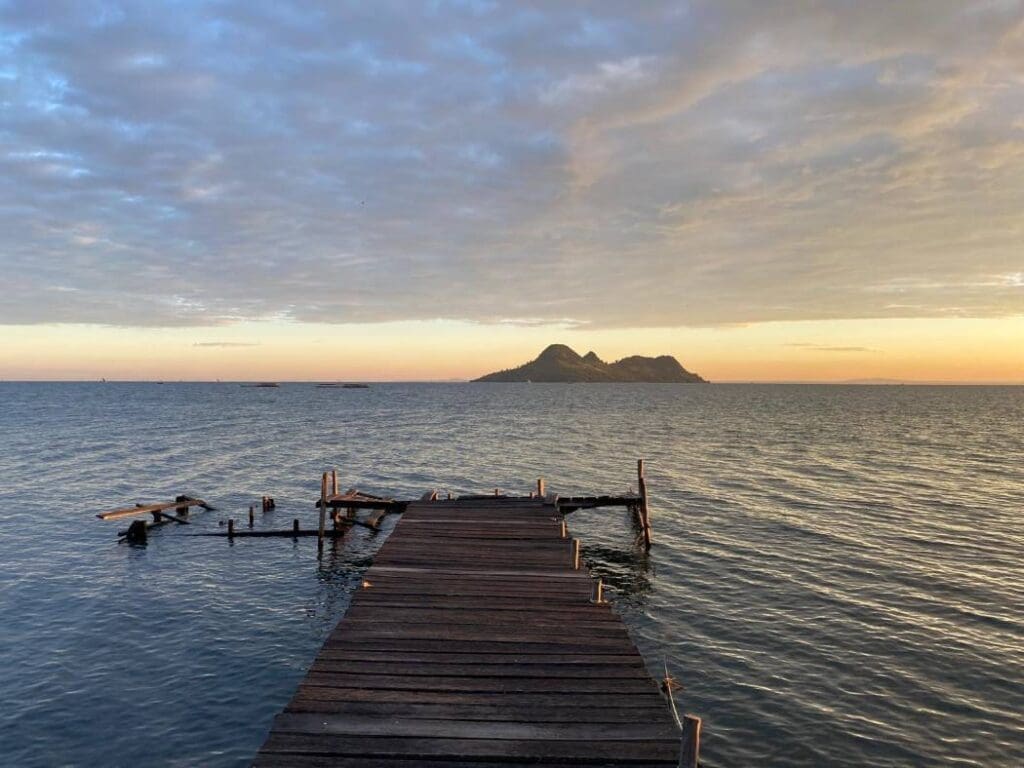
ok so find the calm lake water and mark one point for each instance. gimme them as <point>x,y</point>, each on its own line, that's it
<point>837,579</point>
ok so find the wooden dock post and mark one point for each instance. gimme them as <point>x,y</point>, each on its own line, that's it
<point>598,598</point>
<point>231,528</point>
<point>565,529</point>
<point>295,528</point>
<point>334,482</point>
<point>182,510</point>
<point>645,513</point>
<point>689,742</point>
<point>323,514</point>
<point>576,554</point>
<point>252,514</point>
<point>137,532</point>
<point>540,487</point>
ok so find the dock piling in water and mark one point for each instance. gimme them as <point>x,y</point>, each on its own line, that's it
<point>323,514</point>
<point>136,532</point>
<point>645,514</point>
<point>689,742</point>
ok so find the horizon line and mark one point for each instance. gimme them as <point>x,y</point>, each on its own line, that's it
<point>827,382</point>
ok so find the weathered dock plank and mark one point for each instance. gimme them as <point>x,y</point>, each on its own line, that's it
<point>474,642</point>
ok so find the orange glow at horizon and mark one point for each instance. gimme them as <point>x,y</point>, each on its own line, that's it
<point>954,350</point>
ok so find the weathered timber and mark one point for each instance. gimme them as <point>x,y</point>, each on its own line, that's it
<point>568,504</point>
<point>476,639</point>
<point>645,515</point>
<point>136,532</point>
<point>147,509</point>
<point>323,514</point>
<point>360,500</point>
<point>690,742</point>
<point>292,534</point>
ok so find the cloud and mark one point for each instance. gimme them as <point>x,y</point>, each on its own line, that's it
<point>827,348</point>
<point>226,344</point>
<point>656,164</point>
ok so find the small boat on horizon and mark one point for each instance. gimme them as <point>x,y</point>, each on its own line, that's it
<point>263,384</point>
<point>342,385</point>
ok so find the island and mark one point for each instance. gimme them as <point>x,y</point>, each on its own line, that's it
<point>559,363</point>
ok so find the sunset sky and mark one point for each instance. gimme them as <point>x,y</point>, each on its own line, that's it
<point>270,190</point>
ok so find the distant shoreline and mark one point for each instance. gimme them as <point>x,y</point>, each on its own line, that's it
<point>737,382</point>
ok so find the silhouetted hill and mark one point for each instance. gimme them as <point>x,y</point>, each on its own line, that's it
<point>559,363</point>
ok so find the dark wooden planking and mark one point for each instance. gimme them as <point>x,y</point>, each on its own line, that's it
<point>356,725</point>
<point>481,684</point>
<point>625,752</point>
<point>567,713</point>
<point>377,611</point>
<point>270,760</point>
<point>443,633</point>
<point>441,657</point>
<point>444,570</point>
<point>473,640</point>
<point>567,698</point>
<point>467,621</point>
<point>341,639</point>
<point>495,601</point>
<point>466,669</point>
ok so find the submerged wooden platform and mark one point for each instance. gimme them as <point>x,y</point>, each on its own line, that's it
<point>474,641</point>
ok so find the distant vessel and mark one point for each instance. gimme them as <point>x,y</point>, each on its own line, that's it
<point>340,385</point>
<point>263,384</point>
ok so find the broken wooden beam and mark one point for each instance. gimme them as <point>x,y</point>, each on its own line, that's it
<point>568,504</point>
<point>146,509</point>
<point>358,501</point>
<point>294,533</point>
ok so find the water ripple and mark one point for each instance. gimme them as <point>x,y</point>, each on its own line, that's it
<point>836,580</point>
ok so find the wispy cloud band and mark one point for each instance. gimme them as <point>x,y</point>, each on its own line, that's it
<point>623,165</point>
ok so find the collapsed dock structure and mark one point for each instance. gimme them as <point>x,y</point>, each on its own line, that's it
<point>477,639</point>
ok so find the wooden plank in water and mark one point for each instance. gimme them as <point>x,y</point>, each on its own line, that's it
<point>473,641</point>
<point>146,509</point>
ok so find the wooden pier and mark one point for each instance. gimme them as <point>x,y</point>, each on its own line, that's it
<point>478,640</point>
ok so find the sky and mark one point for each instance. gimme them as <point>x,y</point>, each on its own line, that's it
<point>768,190</point>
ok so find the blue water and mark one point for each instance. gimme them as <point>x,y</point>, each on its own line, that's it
<point>837,577</point>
